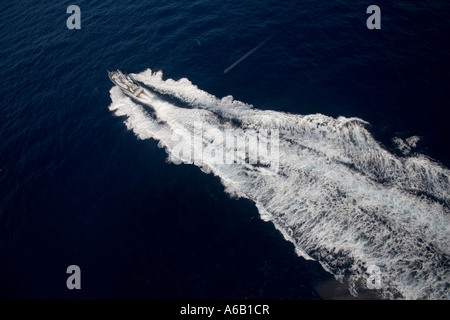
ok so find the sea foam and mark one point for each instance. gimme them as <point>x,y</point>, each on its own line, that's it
<point>337,194</point>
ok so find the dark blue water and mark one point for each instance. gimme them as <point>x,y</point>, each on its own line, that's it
<point>77,187</point>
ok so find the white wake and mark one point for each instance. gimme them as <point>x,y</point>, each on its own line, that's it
<point>335,193</point>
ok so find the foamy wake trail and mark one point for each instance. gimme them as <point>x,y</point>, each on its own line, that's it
<point>337,195</point>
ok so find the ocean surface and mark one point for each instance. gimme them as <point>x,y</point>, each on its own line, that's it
<point>90,177</point>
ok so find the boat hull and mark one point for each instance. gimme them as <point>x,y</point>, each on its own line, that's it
<point>125,83</point>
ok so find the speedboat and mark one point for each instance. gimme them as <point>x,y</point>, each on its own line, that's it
<point>128,86</point>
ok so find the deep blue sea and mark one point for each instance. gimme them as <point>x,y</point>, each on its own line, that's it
<point>362,180</point>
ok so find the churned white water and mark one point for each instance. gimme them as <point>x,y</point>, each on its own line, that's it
<point>326,184</point>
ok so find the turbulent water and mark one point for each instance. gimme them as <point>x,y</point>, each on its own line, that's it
<point>338,195</point>
<point>340,142</point>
